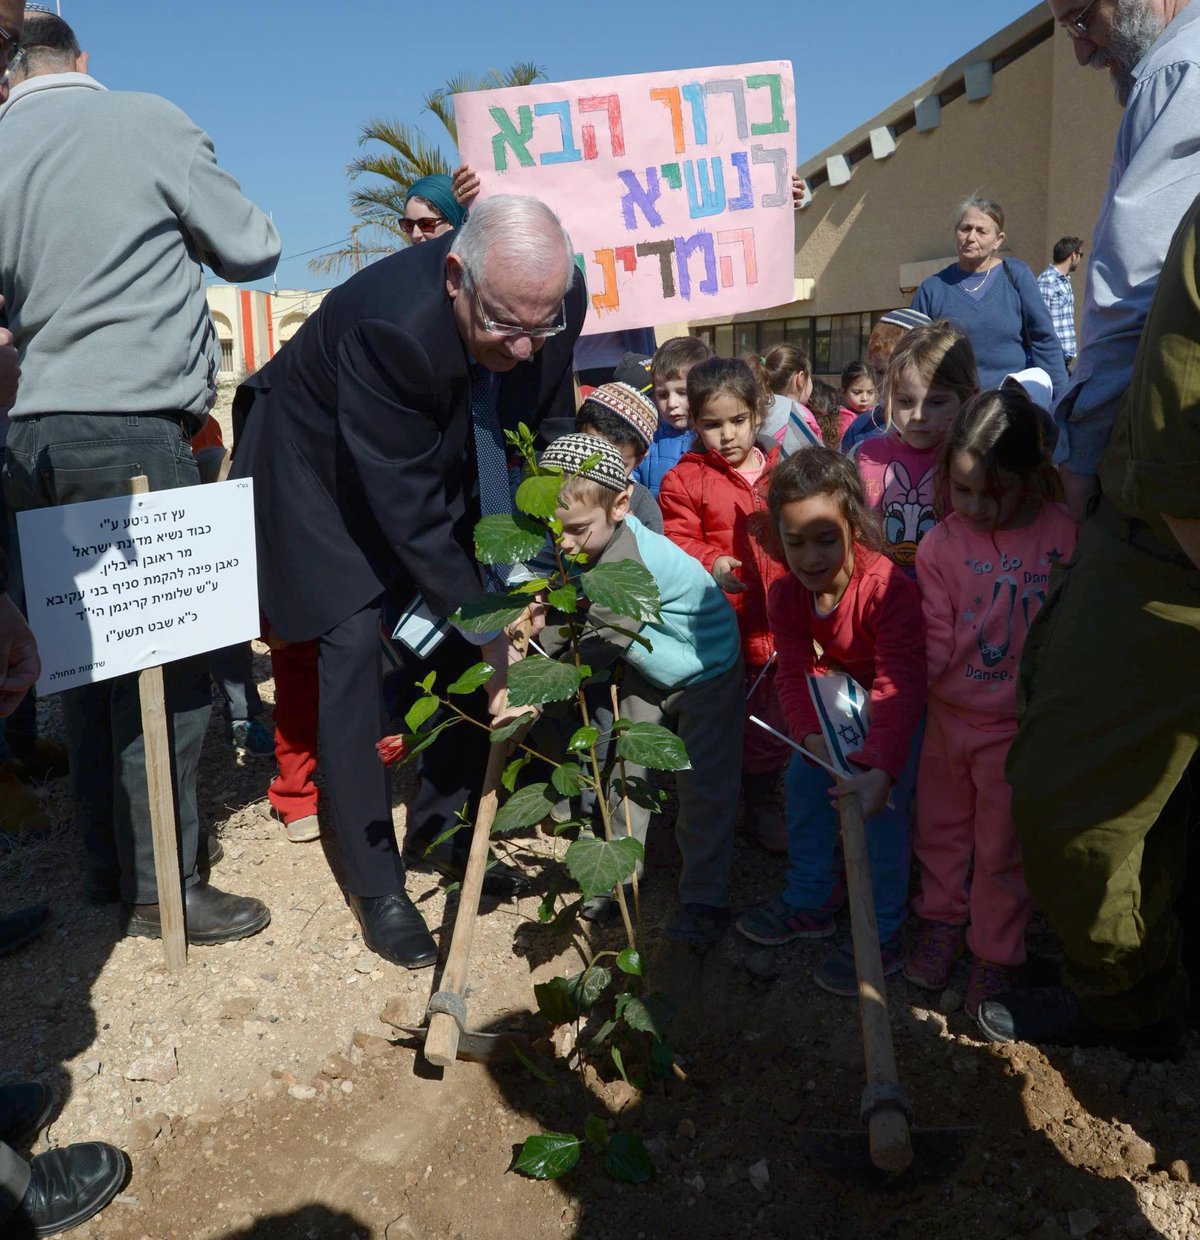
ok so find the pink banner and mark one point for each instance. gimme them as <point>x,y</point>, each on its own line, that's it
<point>674,186</point>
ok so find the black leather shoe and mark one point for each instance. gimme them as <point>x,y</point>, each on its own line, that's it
<point>68,1185</point>
<point>392,927</point>
<point>212,916</point>
<point>208,854</point>
<point>1051,1016</point>
<point>22,926</point>
<point>25,1109</point>
<point>500,879</point>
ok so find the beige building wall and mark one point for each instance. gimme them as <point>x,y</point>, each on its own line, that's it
<point>1039,143</point>
<point>289,309</point>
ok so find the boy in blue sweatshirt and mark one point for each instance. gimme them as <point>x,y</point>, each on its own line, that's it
<point>669,371</point>
<point>691,680</point>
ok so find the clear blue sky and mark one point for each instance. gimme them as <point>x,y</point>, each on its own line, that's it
<point>284,85</point>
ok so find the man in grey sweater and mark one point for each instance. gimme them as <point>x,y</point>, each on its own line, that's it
<point>109,204</point>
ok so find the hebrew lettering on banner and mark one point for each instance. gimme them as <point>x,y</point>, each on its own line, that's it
<point>117,585</point>
<point>674,186</point>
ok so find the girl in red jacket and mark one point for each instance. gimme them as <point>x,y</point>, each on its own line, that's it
<point>844,607</point>
<point>711,503</point>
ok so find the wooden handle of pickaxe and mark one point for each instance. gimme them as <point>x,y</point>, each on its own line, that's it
<point>890,1141</point>
<point>441,1043</point>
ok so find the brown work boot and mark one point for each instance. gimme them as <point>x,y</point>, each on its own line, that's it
<point>763,816</point>
<point>20,809</point>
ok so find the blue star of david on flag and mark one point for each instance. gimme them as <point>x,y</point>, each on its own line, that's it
<point>842,708</point>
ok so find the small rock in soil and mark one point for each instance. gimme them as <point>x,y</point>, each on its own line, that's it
<point>763,965</point>
<point>158,1065</point>
<point>950,1002</point>
<point>1180,1171</point>
<point>686,1129</point>
<point>302,1093</point>
<point>1082,1223</point>
<point>370,1045</point>
<point>787,1106</point>
<point>395,1012</point>
<point>758,1175</point>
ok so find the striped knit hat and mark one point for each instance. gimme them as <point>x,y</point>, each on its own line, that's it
<point>630,406</point>
<point>570,452</point>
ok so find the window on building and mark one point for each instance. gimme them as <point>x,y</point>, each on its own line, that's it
<point>831,341</point>
<point>226,357</point>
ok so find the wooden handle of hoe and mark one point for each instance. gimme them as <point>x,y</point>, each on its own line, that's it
<point>152,694</point>
<point>441,1042</point>
<point>890,1142</point>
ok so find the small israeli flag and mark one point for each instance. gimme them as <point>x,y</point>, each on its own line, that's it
<point>798,434</point>
<point>841,704</point>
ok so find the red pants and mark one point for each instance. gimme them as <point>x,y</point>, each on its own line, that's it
<point>292,792</point>
<point>964,806</point>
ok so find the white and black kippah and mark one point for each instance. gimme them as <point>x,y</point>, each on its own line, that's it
<point>571,452</point>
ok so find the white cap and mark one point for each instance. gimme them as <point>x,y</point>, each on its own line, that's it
<point>1036,383</point>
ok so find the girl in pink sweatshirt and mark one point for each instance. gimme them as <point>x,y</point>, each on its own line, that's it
<point>929,376</point>
<point>983,573</point>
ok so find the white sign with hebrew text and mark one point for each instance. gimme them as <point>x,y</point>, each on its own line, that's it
<point>117,585</point>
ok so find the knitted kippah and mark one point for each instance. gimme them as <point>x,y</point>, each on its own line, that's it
<point>570,452</point>
<point>630,406</point>
<point>906,318</point>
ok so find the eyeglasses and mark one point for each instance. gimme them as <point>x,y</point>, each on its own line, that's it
<point>427,224</point>
<point>514,329</point>
<point>1077,27</point>
<point>12,51</point>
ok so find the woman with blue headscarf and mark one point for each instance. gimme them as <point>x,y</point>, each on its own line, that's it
<point>430,209</point>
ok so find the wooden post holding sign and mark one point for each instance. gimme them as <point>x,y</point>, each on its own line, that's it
<point>152,693</point>
<point>127,585</point>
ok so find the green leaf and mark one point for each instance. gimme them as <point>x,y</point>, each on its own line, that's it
<point>650,1015</point>
<point>599,865</point>
<point>627,1159</point>
<point>546,909</point>
<point>428,683</point>
<point>525,808</point>
<point>549,1155</point>
<point>535,586</point>
<point>508,539</point>
<point>596,1131</point>
<point>662,1059</point>
<point>422,740</point>
<point>538,496</point>
<point>535,680</point>
<point>564,919</point>
<point>449,833</point>
<point>564,599</point>
<point>603,1034</point>
<point>583,740</point>
<point>473,678</point>
<point>586,987</point>
<point>555,1001</point>
<point>619,1060</point>
<point>534,1069</point>
<point>508,779</point>
<point>491,612</point>
<point>630,961</point>
<point>567,779</point>
<point>651,745</point>
<point>626,588</point>
<point>421,710</point>
<point>511,729</point>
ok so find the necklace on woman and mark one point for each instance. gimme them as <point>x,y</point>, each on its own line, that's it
<point>981,283</point>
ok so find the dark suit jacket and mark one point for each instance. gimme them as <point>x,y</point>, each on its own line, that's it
<point>358,437</point>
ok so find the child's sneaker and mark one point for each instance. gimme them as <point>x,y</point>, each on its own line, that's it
<point>777,921</point>
<point>837,974</point>
<point>303,830</point>
<point>699,924</point>
<point>987,980</point>
<point>929,961</point>
<point>251,739</point>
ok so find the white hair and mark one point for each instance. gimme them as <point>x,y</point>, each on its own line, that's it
<point>525,229</point>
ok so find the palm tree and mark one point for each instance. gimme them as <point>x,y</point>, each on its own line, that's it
<point>407,156</point>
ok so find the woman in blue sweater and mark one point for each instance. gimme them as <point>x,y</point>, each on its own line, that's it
<point>994,301</point>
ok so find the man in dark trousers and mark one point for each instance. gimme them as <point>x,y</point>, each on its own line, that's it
<point>371,439</point>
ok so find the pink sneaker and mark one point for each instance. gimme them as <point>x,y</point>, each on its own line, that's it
<point>986,982</point>
<point>930,959</point>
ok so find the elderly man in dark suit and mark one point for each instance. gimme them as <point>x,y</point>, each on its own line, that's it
<point>371,438</point>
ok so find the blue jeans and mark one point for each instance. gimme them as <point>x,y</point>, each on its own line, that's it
<point>66,458</point>
<point>812,828</point>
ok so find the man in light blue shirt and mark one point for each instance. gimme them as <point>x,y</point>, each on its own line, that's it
<point>1152,50</point>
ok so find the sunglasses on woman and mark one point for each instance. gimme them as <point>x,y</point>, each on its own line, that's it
<point>427,224</point>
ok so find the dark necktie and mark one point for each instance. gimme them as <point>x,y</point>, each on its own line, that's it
<point>491,460</point>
